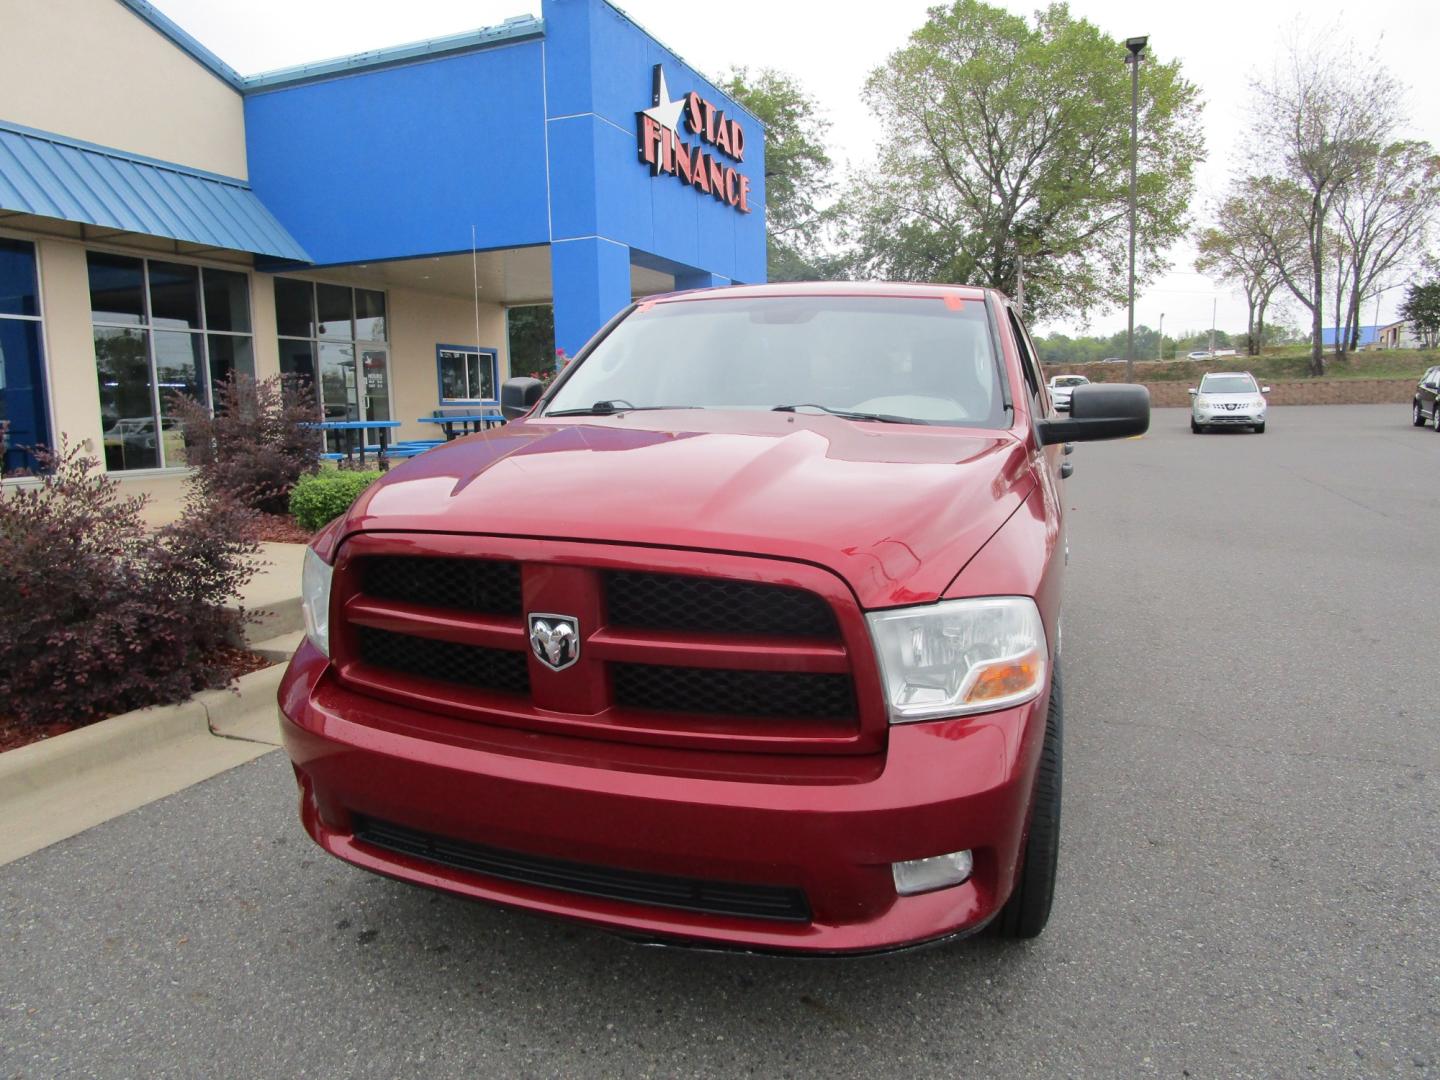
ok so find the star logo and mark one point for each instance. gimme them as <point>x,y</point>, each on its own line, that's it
<point>662,110</point>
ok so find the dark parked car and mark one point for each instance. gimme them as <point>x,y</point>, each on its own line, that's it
<point>751,643</point>
<point>1426,405</point>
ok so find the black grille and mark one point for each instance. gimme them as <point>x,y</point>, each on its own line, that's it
<point>445,661</point>
<point>486,585</point>
<point>647,601</point>
<point>735,693</point>
<point>658,890</point>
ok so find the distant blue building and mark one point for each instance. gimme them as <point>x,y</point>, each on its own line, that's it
<point>369,221</point>
<point>1368,335</point>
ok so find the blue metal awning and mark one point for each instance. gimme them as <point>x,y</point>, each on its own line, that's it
<point>52,176</point>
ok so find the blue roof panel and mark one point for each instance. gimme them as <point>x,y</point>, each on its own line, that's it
<point>51,176</point>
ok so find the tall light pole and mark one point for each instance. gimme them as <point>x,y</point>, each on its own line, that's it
<point>1160,345</point>
<point>1136,46</point>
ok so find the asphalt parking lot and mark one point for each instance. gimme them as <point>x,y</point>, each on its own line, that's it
<point>1248,881</point>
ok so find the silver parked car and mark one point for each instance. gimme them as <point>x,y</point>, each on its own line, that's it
<point>1062,386</point>
<point>1228,399</point>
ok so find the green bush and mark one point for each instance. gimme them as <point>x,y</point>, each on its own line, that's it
<point>320,498</point>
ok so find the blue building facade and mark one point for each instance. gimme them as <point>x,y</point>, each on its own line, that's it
<point>370,221</point>
<point>533,135</point>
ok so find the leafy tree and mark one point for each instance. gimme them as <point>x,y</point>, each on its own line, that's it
<point>1384,216</point>
<point>1316,125</point>
<point>1006,140</point>
<point>1421,307</point>
<point>1233,250</point>
<point>797,174</point>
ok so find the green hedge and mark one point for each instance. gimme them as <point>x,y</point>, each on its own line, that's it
<point>321,497</point>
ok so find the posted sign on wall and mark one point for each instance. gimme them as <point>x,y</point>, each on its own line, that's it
<point>663,150</point>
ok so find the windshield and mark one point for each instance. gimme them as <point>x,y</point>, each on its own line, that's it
<point>1227,384</point>
<point>1069,380</point>
<point>917,360</point>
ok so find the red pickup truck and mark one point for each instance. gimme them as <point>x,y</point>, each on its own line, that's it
<point>744,633</point>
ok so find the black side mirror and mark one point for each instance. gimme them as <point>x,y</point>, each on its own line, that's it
<point>518,396</point>
<point>1100,411</point>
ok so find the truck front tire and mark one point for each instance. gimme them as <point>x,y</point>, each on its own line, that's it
<point>1028,909</point>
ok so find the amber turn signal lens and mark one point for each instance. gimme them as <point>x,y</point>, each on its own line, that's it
<point>1005,678</point>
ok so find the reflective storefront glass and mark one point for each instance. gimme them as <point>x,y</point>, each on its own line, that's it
<point>336,336</point>
<point>162,329</point>
<point>24,406</point>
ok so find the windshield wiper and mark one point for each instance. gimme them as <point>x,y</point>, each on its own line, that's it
<point>613,406</point>
<point>847,414</point>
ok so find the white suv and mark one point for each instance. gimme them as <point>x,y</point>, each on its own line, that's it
<point>1228,399</point>
<point>1062,386</point>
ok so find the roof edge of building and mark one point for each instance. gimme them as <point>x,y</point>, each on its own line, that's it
<point>168,28</point>
<point>515,29</point>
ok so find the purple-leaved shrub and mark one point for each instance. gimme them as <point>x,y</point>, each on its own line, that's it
<point>98,615</point>
<point>257,444</point>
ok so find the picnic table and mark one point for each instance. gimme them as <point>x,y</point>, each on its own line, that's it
<point>352,434</point>
<point>467,421</point>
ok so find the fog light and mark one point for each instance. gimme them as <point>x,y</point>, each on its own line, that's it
<point>939,872</point>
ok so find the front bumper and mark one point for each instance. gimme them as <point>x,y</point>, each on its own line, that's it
<point>1231,419</point>
<point>829,826</point>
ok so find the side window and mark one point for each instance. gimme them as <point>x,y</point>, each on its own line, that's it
<point>1027,357</point>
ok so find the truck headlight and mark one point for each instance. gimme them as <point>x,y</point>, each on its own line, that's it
<point>315,599</point>
<point>959,656</point>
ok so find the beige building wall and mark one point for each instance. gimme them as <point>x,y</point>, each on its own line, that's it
<point>69,344</point>
<point>93,70</point>
<point>262,319</point>
<point>418,322</point>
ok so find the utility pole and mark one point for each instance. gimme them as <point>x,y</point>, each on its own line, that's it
<point>1214,303</point>
<point>1136,46</point>
<point>1160,345</point>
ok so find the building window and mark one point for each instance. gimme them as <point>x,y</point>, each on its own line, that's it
<point>466,374</point>
<point>24,407</point>
<point>161,329</point>
<point>336,337</point>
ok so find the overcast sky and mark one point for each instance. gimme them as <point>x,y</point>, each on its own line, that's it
<point>830,47</point>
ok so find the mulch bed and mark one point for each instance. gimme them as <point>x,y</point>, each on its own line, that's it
<point>279,529</point>
<point>14,735</point>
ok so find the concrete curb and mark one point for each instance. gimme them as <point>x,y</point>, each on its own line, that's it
<point>277,618</point>
<point>57,788</point>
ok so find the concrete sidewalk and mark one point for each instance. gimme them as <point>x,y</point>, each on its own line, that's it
<point>275,592</point>
<point>59,787</point>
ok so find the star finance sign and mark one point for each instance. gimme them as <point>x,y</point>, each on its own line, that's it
<point>663,150</point>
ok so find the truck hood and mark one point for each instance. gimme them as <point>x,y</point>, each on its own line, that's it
<point>895,511</point>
